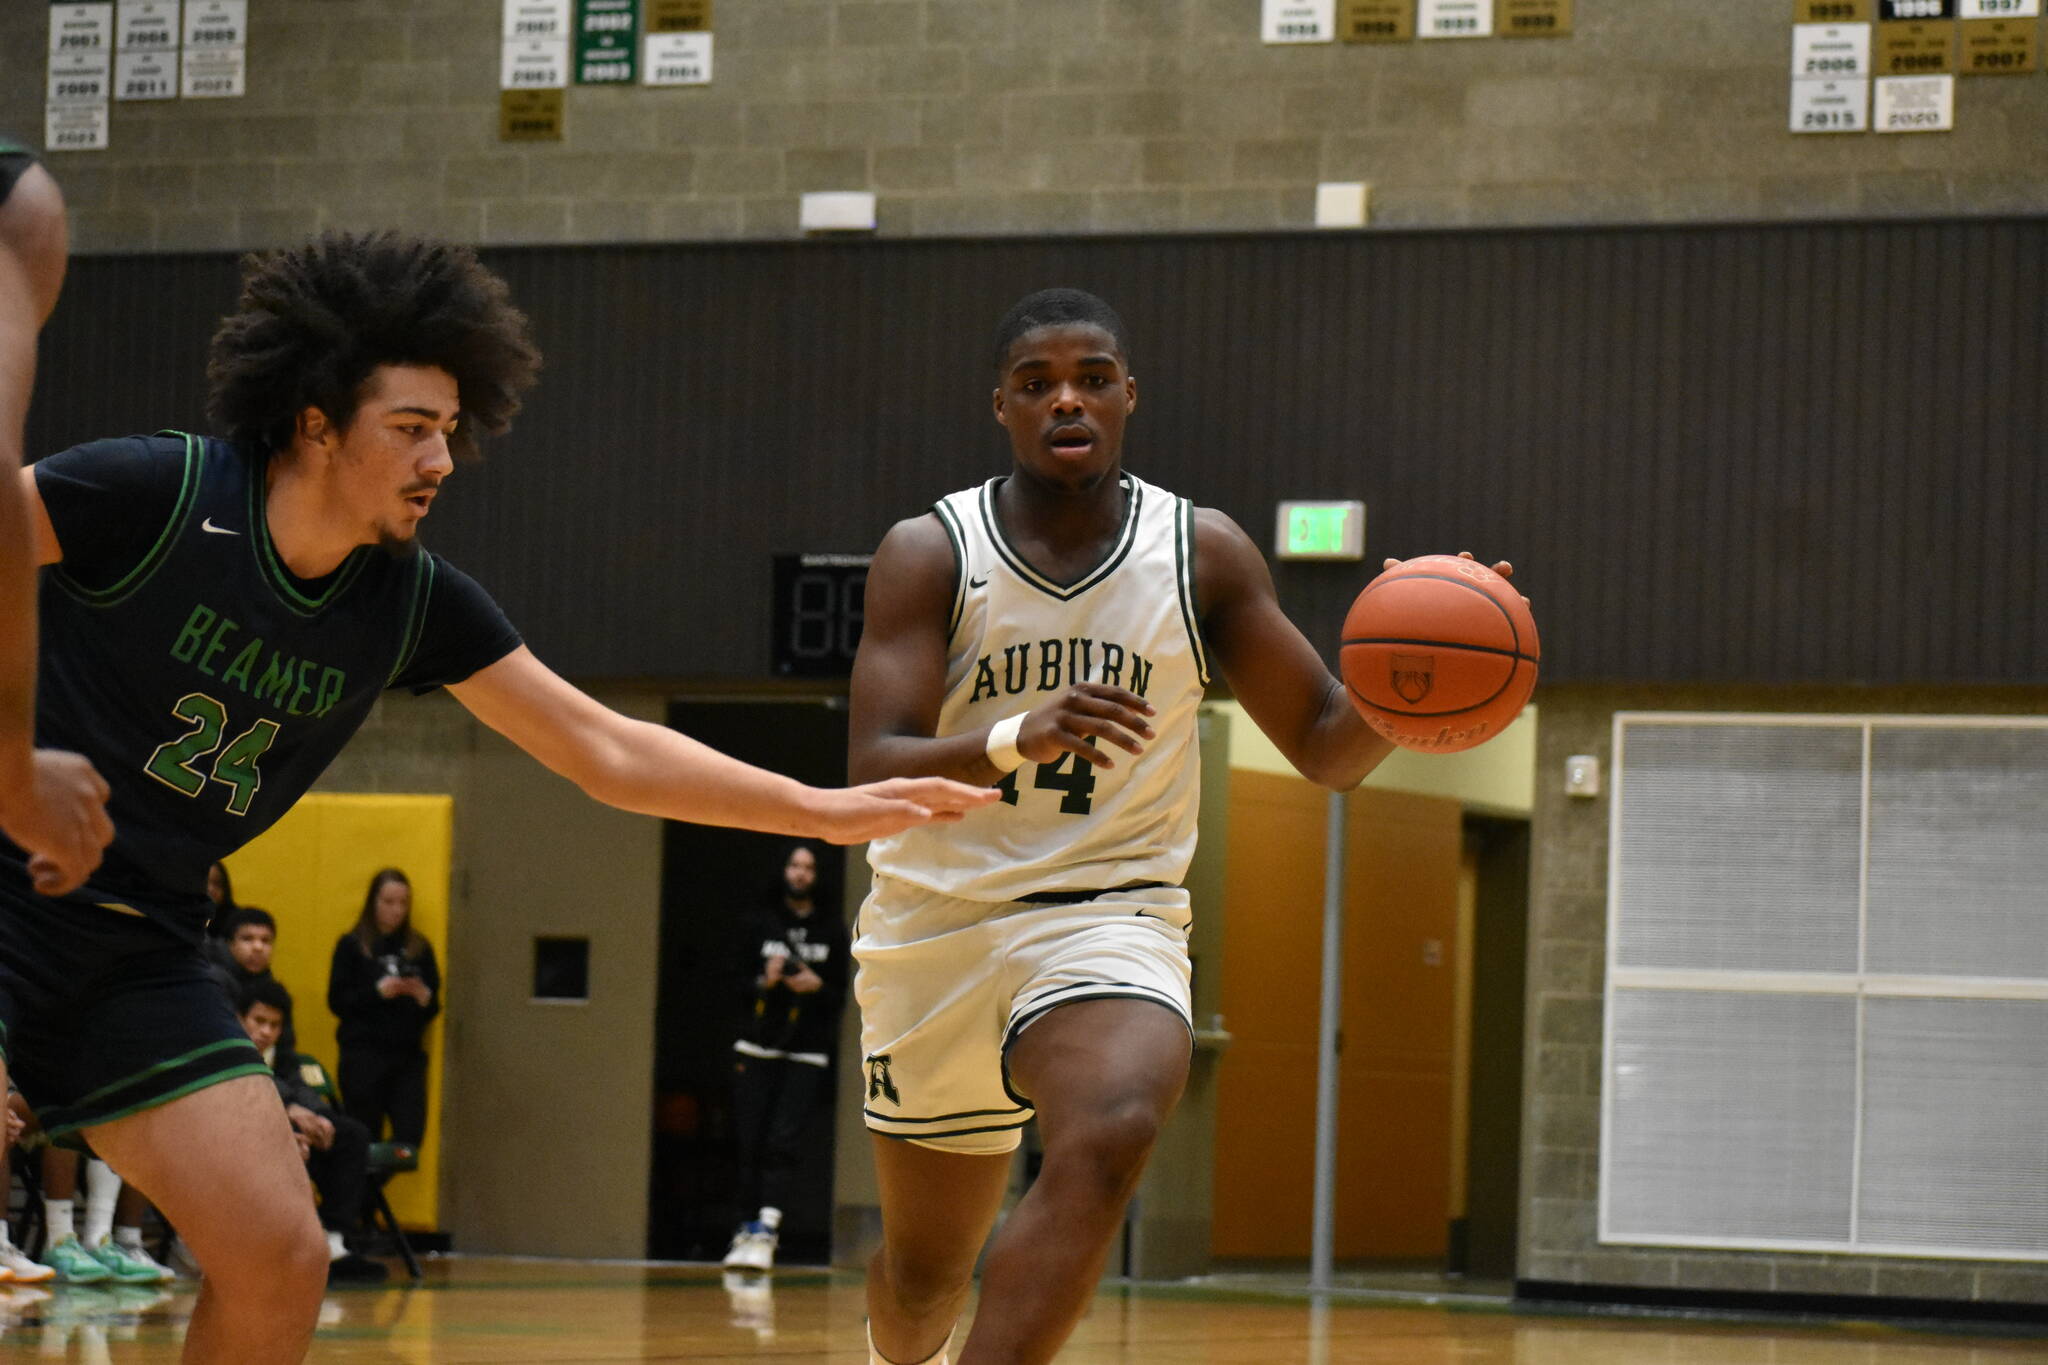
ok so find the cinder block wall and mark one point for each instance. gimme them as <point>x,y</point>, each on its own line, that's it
<point>1567,966</point>
<point>1011,116</point>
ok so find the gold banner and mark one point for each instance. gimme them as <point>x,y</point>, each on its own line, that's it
<point>1915,49</point>
<point>1831,11</point>
<point>1376,21</point>
<point>678,16</point>
<point>530,115</point>
<point>2001,47</point>
<point>1532,18</point>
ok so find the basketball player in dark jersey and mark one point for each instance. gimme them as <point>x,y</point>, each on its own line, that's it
<point>218,618</point>
<point>51,803</point>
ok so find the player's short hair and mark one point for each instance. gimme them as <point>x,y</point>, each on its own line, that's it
<point>248,915</point>
<point>1051,307</point>
<point>314,322</point>
<point>263,990</point>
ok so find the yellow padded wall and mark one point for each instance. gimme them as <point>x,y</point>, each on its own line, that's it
<point>311,871</point>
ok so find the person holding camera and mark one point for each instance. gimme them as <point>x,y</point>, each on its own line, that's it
<point>384,989</point>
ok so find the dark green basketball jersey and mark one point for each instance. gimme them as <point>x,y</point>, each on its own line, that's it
<point>15,159</point>
<point>209,685</point>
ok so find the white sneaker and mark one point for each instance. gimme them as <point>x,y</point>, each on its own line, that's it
<point>753,1248</point>
<point>21,1270</point>
<point>752,1300</point>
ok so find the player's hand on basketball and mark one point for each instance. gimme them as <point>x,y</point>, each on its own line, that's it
<point>1072,721</point>
<point>854,815</point>
<point>1501,567</point>
<point>60,818</point>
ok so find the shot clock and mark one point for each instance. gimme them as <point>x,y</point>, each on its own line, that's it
<point>817,613</point>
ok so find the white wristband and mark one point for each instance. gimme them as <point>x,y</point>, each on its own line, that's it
<point>1002,743</point>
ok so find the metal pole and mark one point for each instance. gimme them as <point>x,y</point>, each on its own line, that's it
<point>1323,1244</point>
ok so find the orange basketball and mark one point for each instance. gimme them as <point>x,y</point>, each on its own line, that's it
<point>1439,654</point>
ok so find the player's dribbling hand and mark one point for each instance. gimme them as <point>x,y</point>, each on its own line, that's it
<point>61,821</point>
<point>854,815</point>
<point>1072,721</point>
<point>1501,567</point>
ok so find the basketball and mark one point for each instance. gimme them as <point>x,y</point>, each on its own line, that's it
<point>1439,654</point>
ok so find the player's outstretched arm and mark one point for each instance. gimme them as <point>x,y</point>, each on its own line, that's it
<point>899,680</point>
<point>52,804</point>
<point>653,770</point>
<point>1273,671</point>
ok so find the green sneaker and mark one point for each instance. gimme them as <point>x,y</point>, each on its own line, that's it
<point>128,1267</point>
<point>73,1263</point>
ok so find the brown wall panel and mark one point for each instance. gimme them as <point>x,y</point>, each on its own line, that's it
<point>1779,453</point>
<point>1394,1107</point>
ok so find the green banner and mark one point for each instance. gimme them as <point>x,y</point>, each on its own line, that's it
<point>607,42</point>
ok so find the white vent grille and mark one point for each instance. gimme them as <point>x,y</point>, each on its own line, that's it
<point>1729,1114</point>
<point>1959,852</point>
<point>1955,1141</point>
<point>1827,986</point>
<point>1741,843</point>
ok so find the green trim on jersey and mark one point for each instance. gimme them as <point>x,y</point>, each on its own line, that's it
<point>960,569</point>
<point>274,571</point>
<point>9,147</point>
<point>415,615</point>
<point>1133,497</point>
<point>188,493</point>
<point>1184,566</point>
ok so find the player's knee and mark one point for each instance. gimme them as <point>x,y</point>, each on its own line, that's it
<point>281,1258</point>
<point>919,1285</point>
<point>1110,1145</point>
<point>304,1263</point>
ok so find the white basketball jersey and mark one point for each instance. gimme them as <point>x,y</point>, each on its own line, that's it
<point>1017,639</point>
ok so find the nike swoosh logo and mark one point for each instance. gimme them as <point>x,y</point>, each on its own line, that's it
<point>207,525</point>
<point>980,582</point>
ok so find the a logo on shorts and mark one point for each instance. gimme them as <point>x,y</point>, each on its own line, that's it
<point>879,1084</point>
<point>1413,675</point>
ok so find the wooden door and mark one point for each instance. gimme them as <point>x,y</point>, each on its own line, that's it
<point>1399,991</point>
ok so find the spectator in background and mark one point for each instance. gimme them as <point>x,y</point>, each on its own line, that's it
<point>335,1147</point>
<point>242,955</point>
<point>793,968</point>
<point>220,889</point>
<point>384,989</point>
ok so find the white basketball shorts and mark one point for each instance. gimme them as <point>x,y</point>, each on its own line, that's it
<point>946,985</point>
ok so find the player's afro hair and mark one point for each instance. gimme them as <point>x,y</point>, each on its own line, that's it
<point>314,322</point>
<point>1051,307</point>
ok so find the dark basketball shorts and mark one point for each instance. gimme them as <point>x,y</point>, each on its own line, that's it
<point>104,1013</point>
<point>14,165</point>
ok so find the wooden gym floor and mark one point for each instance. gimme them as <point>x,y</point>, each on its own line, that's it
<point>515,1312</point>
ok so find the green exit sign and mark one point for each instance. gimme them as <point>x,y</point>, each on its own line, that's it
<point>1320,530</point>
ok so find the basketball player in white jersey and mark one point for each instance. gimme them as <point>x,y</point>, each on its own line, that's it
<point>1050,632</point>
